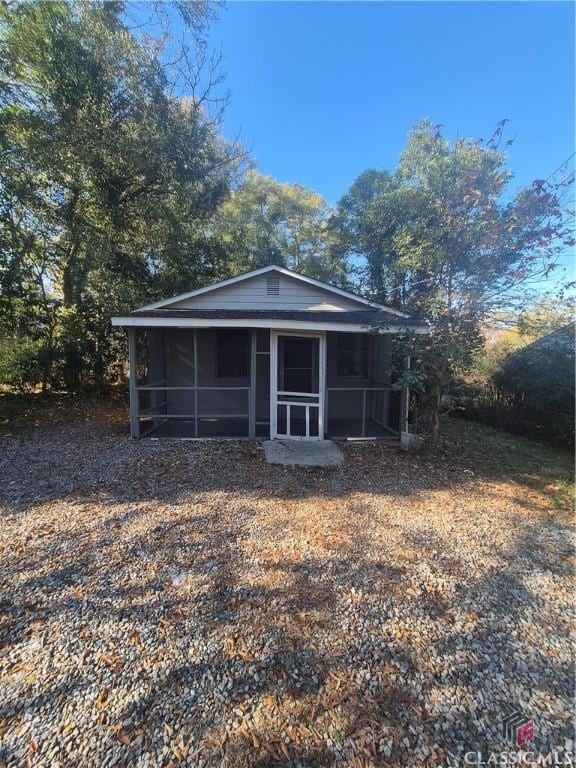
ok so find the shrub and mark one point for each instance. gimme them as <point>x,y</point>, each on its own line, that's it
<point>21,364</point>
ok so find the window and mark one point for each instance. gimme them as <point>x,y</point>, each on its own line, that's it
<point>352,355</point>
<point>232,354</point>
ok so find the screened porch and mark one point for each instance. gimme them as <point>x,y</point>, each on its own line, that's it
<point>262,383</point>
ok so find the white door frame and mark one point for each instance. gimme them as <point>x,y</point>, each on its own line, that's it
<point>321,336</point>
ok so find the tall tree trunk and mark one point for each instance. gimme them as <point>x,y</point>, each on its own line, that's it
<point>443,370</point>
<point>47,352</point>
<point>71,293</point>
<point>434,418</point>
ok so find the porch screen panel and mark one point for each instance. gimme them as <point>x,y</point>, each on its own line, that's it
<point>150,370</point>
<point>377,404</point>
<point>232,358</point>
<point>314,427</point>
<point>263,340</point>
<point>395,409</point>
<point>180,371</point>
<point>223,402</point>
<point>282,419</point>
<point>223,412</point>
<point>223,427</point>
<point>262,394</point>
<point>352,352</point>
<point>298,364</point>
<point>380,407</point>
<point>156,357</point>
<point>344,417</point>
<point>298,421</point>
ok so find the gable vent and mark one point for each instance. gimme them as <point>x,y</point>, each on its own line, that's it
<point>273,286</point>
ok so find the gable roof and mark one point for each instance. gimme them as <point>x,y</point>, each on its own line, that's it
<point>264,270</point>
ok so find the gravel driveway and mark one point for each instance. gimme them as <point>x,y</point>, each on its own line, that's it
<point>173,603</point>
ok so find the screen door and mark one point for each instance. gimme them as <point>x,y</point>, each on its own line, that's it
<point>297,383</point>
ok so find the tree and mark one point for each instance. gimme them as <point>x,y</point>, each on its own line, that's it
<point>108,180</point>
<point>506,333</point>
<point>368,221</point>
<point>545,316</point>
<point>542,372</point>
<point>443,240</point>
<point>266,222</point>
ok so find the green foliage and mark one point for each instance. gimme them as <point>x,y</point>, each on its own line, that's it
<point>116,192</point>
<point>547,315</point>
<point>508,332</point>
<point>441,240</point>
<point>266,222</point>
<point>20,364</point>
<point>522,380</point>
<point>108,181</point>
<point>543,371</point>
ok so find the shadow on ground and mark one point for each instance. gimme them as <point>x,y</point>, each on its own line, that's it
<point>168,603</point>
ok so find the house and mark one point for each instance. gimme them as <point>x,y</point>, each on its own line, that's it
<point>270,353</point>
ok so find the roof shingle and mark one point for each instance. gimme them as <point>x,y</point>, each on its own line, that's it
<point>360,317</point>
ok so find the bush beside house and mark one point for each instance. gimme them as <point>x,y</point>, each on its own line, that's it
<point>531,394</point>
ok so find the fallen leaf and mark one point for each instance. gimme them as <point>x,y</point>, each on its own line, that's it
<point>123,738</point>
<point>102,700</point>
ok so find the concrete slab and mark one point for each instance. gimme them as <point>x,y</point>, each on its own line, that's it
<point>305,453</point>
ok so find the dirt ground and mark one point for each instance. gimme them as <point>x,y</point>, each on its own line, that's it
<point>168,603</point>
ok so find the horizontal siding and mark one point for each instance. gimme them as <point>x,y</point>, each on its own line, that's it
<point>251,294</point>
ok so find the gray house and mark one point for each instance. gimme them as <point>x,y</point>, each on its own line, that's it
<point>270,353</point>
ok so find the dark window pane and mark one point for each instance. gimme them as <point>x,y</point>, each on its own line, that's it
<point>298,353</point>
<point>232,354</point>
<point>352,342</point>
<point>298,421</point>
<point>313,422</point>
<point>297,381</point>
<point>298,368</point>
<point>353,364</point>
<point>352,355</point>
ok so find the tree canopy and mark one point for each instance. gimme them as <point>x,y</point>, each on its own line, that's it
<point>108,181</point>
<point>444,239</point>
<point>266,222</point>
<point>118,188</point>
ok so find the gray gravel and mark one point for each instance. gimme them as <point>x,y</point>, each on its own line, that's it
<point>174,603</point>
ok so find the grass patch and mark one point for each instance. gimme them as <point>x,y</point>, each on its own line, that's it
<point>502,455</point>
<point>22,412</point>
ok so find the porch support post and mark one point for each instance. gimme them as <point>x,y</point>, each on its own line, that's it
<point>195,382</point>
<point>405,412</point>
<point>273,384</point>
<point>133,379</point>
<point>252,393</point>
<point>322,388</point>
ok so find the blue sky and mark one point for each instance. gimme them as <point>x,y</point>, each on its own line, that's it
<point>321,91</point>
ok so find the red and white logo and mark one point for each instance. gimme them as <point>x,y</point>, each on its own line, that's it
<point>519,729</point>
